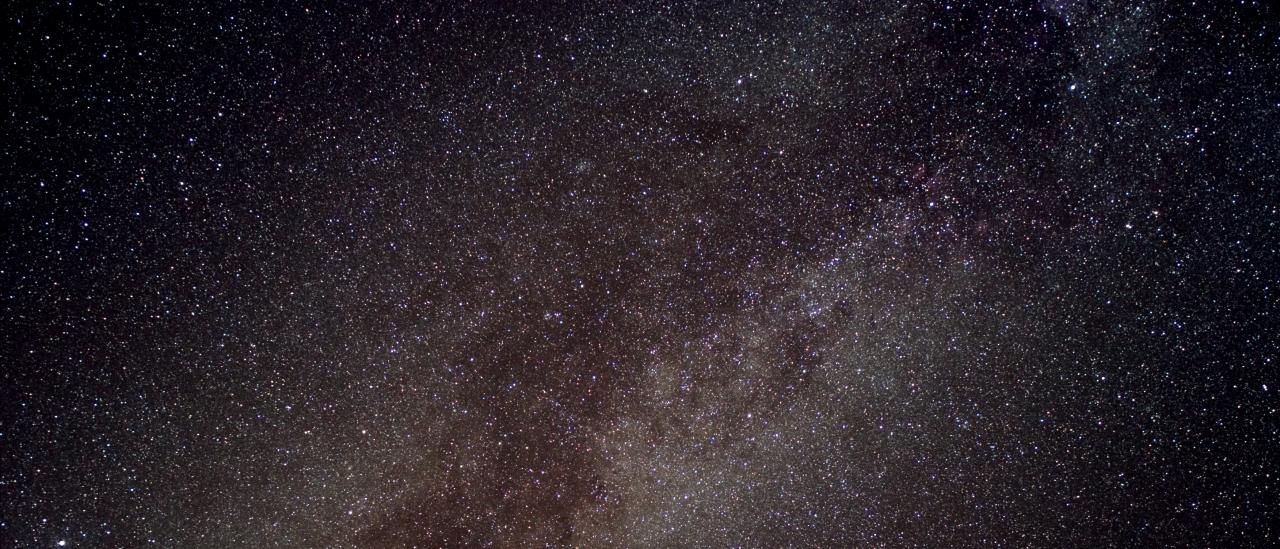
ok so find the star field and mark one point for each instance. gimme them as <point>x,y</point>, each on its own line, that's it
<point>654,274</point>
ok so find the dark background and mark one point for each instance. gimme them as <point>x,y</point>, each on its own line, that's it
<point>655,274</point>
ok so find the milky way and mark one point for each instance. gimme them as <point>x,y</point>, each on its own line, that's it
<point>647,275</point>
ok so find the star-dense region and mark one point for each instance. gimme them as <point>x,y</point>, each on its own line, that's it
<point>642,274</point>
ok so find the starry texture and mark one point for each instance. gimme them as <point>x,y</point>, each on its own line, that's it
<point>663,274</point>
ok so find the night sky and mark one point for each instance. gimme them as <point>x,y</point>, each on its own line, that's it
<point>707,274</point>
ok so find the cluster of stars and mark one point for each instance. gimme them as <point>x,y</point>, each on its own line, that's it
<point>761,274</point>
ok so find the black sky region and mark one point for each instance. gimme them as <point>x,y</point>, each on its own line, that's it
<point>642,274</point>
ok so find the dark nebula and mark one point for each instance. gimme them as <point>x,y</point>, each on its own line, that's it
<point>643,274</point>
